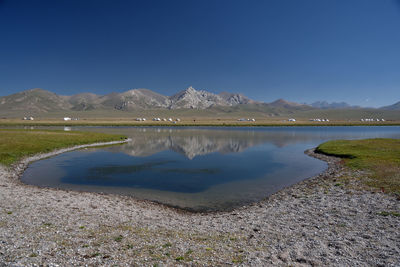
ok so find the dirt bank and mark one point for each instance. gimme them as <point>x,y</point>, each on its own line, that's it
<point>316,222</point>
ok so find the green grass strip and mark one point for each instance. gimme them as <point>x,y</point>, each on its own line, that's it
<point>379,157</point>
<point>16,144</point>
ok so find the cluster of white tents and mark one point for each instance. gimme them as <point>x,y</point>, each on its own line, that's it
<point>165,119</point>
<point>372,120</point>
<point>70,119</point>
<point>159,119</point>
<point>319,120</point>
<point>243,119</point>
<point>28,118</point>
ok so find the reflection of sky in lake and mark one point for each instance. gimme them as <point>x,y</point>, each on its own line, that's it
<point>196,168</point>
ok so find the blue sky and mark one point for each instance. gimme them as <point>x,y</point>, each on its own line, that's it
<point>303,51</point>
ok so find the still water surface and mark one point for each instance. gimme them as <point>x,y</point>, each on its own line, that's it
<point>195,168</point>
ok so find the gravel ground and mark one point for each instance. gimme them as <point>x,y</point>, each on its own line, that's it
<point>325,220</point>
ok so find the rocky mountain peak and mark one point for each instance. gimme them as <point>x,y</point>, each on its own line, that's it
<point>195,99</point>
<point>190,89</point>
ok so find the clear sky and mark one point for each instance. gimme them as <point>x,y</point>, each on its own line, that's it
<point>303,51</point>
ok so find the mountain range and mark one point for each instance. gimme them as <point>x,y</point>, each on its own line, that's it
<point>37,101</point>
<point>40,100</point>
<point>333,105</point>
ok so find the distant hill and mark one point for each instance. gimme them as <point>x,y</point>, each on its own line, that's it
<point>395,106</point>
<point>34,100</point>
<point>283,106</point>
<point>333,105</point>
<point>84,101</point>
<point>236,99</point>
<point>134,99</point>
<point>282,103</point>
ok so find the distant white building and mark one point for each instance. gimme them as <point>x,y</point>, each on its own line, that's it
<point>291,119</point>
<point>67,118</point>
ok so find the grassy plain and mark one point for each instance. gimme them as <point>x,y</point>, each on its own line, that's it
<point>217,116</point>
<point>16,144</point>
<point>379,157</point>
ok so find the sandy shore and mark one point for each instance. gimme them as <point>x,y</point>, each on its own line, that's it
<point>316,222</point>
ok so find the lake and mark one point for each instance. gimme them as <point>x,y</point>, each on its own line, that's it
<point>195,168</point>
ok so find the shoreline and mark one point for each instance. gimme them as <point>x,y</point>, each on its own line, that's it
<point>19,167</point>
<point>314,222</point>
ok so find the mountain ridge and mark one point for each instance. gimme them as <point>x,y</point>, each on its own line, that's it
<point>38,100</point>
<point>332,105</point>
<point>395,106</point>
<point>189,98</point>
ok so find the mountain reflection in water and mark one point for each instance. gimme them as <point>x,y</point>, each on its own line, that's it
<point>195,142</point>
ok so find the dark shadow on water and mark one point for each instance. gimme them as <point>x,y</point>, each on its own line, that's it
<point>100,172</point>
